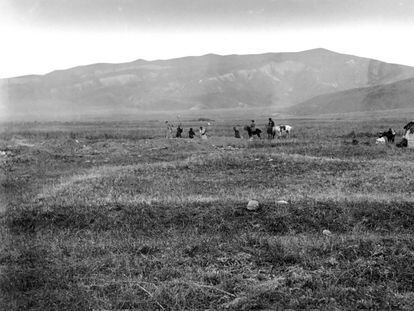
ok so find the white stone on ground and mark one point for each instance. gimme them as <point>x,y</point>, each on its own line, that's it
<point>253,205</point>
<point>327,232</point>
<point>282,202</point>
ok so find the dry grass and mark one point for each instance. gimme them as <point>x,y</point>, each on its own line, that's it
<point>117,221</point>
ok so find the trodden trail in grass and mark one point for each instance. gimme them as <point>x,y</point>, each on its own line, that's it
<point>105,217</point>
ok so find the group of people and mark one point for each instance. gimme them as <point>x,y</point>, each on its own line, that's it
<point>179,131</point>
<point>252,130</point>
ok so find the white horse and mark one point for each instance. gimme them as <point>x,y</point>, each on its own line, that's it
<point>282,130</point>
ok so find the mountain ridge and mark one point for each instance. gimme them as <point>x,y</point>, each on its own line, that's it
<point>397,95</point>
<point>210,81</point>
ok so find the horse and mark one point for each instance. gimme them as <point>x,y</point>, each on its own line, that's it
<point>251,132</point>
<point>282,130</point>
<point>271,131</point>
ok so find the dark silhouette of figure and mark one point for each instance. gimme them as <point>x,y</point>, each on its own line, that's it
<point>236,132</point>
<point>270,129</point>
<point>252,132</point>
<point>253,126</point>
<point>179,131</point>
<point>191,133</point>
<point>390,135</point>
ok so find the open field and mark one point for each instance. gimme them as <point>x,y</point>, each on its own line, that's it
<point>112,216</point>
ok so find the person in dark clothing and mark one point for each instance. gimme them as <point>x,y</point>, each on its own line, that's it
<point>191,133</point>
<point>270,131</point>
<point>179,131</point>
<point>253,126</point>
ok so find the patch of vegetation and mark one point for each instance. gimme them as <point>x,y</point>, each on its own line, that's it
<point>99,216</point>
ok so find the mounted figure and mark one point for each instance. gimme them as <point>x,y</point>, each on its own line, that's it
<point>252,131</point>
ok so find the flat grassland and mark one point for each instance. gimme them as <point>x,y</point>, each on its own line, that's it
<point>112,216</point>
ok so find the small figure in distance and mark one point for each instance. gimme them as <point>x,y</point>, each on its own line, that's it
<point>270,129</point>
<point>179,131</point>
<point>253,126</point>
<point>271,123</point>
<point>191,133</point>
<point>203,132</point>
<point>169,130</point>
<point>236,132</point>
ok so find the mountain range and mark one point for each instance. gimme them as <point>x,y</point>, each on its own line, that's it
<point>308,82</point>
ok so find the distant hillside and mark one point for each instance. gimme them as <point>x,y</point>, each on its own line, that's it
<point>398,95</point>
<point>276,80</point>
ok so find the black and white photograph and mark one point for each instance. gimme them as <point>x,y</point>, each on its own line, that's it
<point>206,155</point>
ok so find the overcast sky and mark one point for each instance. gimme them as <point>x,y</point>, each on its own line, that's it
<point>38,36</point>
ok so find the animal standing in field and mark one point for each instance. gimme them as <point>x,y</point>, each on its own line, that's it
<point>251,132</point>
<point>388,135</point>
<point>270,129</point>
<point>283,130</point>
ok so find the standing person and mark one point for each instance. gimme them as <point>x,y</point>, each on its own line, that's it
<point>203,132</point>
<point>253,126</point>
<point>270,126</point>
<point>191,133</point>
<point>236,132</point>
<point>179,131</point>
<point>168,130</point>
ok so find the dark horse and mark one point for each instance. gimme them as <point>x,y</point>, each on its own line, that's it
<point>251,132</point>
<point>271,132</point>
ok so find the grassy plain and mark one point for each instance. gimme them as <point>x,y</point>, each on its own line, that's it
<point>112,216</point>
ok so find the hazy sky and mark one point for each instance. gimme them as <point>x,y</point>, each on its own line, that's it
<point>39,36</point>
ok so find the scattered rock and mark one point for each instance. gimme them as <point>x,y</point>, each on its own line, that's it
<point>282,202</point>
<point>253,205</point>
<point>327,232</point>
